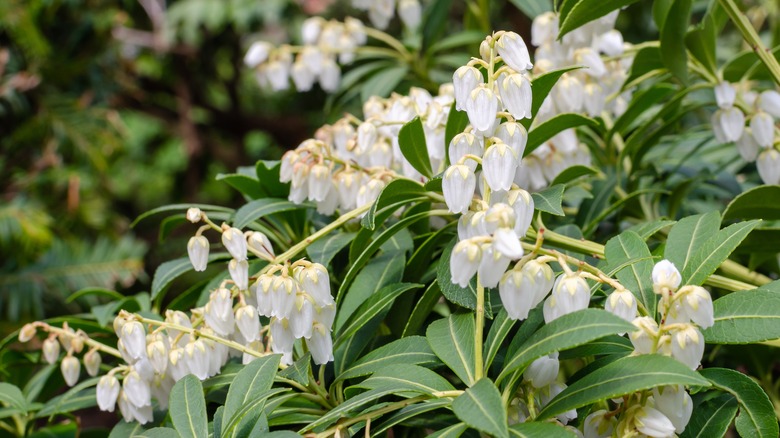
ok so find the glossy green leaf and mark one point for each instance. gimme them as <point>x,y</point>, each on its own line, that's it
<point>701,42</point>
<point>78,397</point>
<point>383,82</point>
<point>250,418</point>
<point>647,62</point>
<point>714,251</point>
<point>565,332</point>
<point>424,253</point>
<point>260,208</point>
<point>452,339</point>
<point>407,378</point>
<point>413,350</point>
<point>673,53</point>
<point>538,429</point>
<point>608,345</point>
<point>500,328</point>
<point>549,200</point>
<point>396,191</point>
<point>160,432</point>
<point>382,271</point>
<point>12,396</point>
<point>756,414</point>
<point>752,204</point>
<point>435,19</point>
<point>245,184</point>
<point>124,429</point>
<point>629,253</point>
<point>572,173</point>
<point>624,376</point>
<point>268,177</point>
<point>639,105</point>
<point>688,235</point>
<point>348,406</point>
<point>323,250</point>
<point>585,11</point>
<point>459,39</point>
<point>180,208</point>
<point>249,384</point>
<point>453,431</point>
<point>746,317</point>
<point>422,309</point>
<point>299,371</point>
<point>188,407</point>
<point>648,229</point>
<point>712,417</point>
<point>411,140</point>
<point>547,129</point>
<point>409,412</point>
<point>375,306</point>
<point>481,408</point>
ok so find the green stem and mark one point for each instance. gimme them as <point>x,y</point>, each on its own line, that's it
<point>196,332</point>
<point>87,341</point>
<point>751,37</point>
<point>479,331</point>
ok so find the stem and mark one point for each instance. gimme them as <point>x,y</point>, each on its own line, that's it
<point>390,41</point>
<point>751,37</point>
<point>87,341</point>
<point>192,331</point>
<point>479,331</point>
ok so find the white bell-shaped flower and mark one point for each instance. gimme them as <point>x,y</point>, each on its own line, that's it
<point>568,94</point>
<point>302,317</point>
<point>133,337</point>
<point>769,101</point>
<point>463,144</point>
<point>688,346</point>
<point>311,28</point>
<point>70,368</point>
<point>698,306</point>
<point>458,186</point>
<point>239,272</point>
<point>550,392</point>
<point>506,242</point>
<point>544,28</point>
<point>194,215</point>
<point>644,337</point>
<point>219,312</point>
<point>277,73</point>
<point>543,371</point>
<point>728,124</point>
<point>262,292</point>
<point>197,359</point>
<point>598,425</point>
<point>762,126</point>
<point>610,43</point>
<point>523,205</point>
<point>259,242</point>
<point>257,54</point>
<point>570,293</point>
<point>464,262</point>
<point>311,57</point>
<point>283,291</point>
<point>368,192</point>
<point>92,361</point>
<point>157,352</point>
<point>591,60</point>
<point>515,92</point>
<point>302,76</point>
<point>198,250</point>
<point>747,147</point>
<point>248,322</point>
<point>348,184</point>
<point>107,392</point>
<point>514,135</point>
<point>653,423</point>
<point>315,281</point>
<point>235,242</point>
<point>492,266</point>
<point>367,135</point>
<point>594,99</point>
<point>179,318</point>
<point>330,75</point>
<point>499,166</point>
<point>517,294</point>
<point>675,404</point>
<point>282,339</point>
<point>51,350</point>
<point>621,303</point>
<point>131,412</point>
<point>410,12</point>
<point>464,81</point>
<point>325,315</point>
<point>665,276</point>
<point>137,389</point>
<point>481,107</point>
<point>514,52</point>
<point>725,94</point>
<point>320,344</point>
<point>177,365</point>
<point>768,165</point>
<point>319,182</point>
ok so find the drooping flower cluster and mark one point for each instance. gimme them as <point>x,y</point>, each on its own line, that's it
<point>326,44</point>
<point>380,12</point>
<point>759,140</point>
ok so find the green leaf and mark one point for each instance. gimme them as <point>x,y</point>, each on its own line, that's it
<point>249,384</point>
<point>462,296</point>
<point>756,413</point>
<point>89,291</point>
<point>79,397</point>
<point>746,317</point>
<point>452,339</point>
<point>396,191</point>
<point>188,407</point>
<point>12,396</point>
<point>419,262</point>
<point>752,204</point>
<point>715,251</point>
<point>250,418</point>
<point>572,173</point>
<point>299,371</point>
<point>481,408</point>
<point>701,42</point>
<point>323,250</point>
<point>260,208</point>
<point>639,105</point>
<point>624,376</point>
<point>268,178</point>
<point>688,235</point>
<point>173,269</point>
<point>565,332</point>
<point>585,11</point>
<point>647,63</point>
<point>350,405</point>
<point>245,184</point>
<point>533,8</point>
<point>160,432</point>
<point>34,386</point>
<point>629,252</point>
<point>542,84</point>
<point>456,123</point>
<point>547,129</point>
<point>648,229</point>
<point>126,430</point>
<point>459,39</point>
<point>501,326</point>
<point>549,200</point>
<point>413,350</point>
<point>407,378</point>
<point>409,412</point>
<point>453,431</point>
<point>712,417</point>
<point>411,140</point>
<point>180,208</point>
<point>537,429</point>
<point>377,305</point>
<point>422,309</point>
<point>672,39</point>
<point>435,22</point>
<point>384,82</point>
<point>382,271</point>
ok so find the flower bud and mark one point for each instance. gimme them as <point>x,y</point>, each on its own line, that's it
<point>568,94</point>
<point>665,276</point>
<point>107,392</point>
<point>514,52</point>
<point>158,356</point>
<point>198,250</point>
<point>725,94</point>
<point>27,332</point>
<point>315,281</point>
<point>675,404</point>
<point>330,75</point>
<point>259,242</point>
<point>542,371</point>
<point>257,54</point>
<point>763,128</point>
<point>464,81</point>
<point>462,144</point>
<point>219,312</point>
<point>698,306</point>
<point>70,368</point>
<point>92,361</point>
<point>311,28</point>
<point>570,293</point>
<point>506,242</point>
<point>514,135</point>
<point>591,60</point>
<point>458,186</point>
<point>544,28</point>
<point>302,76</point>
<point>768,165</point>
<point>492,266</point>
<point>747,147</point>
<point>598,425</point>
<point>194,215</point>
<point>235,242</point>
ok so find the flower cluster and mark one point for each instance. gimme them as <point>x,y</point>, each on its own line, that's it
<point>380,12</point>
<point>758,141</point>
<point>326,44</point>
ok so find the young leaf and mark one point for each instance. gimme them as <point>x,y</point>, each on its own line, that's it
<point>756,414</point>
<point>259,208</point>
<point>411,140</point>
<point>565,332</point>
<point>624,376</point>
<point>746,317</point>
<point>481,408</point>
<point>249,384</point>
<point>712,417</point>
<point>452,339</point>
<point>299,371</point>
<point>549,200</point>
<point>585,11</point>
<point>629,252</point>
<point>413,350</point>
<point>188,408</point>
<point>701,42</point>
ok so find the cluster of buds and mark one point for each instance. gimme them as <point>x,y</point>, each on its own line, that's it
<point>72,342</point>
<point>539,387</point>
<point>326,44</point>
<point>759,141</point>
<point>380,12</point>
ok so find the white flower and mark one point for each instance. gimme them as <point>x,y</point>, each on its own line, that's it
<point>219,312</point>
<point>514,135</point>
<point>768,164</point>
<point>320,344</point>
<point>464,81</point>
<point>665,276</point>
<point>315,281</point>
<point>518,294</point>
<point>675,404</point>
<point>302,76</point>
<point>594,99</point>
<point>481,107</point>
<point>728,124</point>
<point>410,12</point>
<point>282,339</point>
<point>92,361</point>
<point>570,293</point>
<point>769,101</point>
<point>283,292</point>
<point>544,28</point>
<point>239,272</point>
<point>591,60</point>
<point>107,392</point>
<point>51,350</point>
<point>277,73</point>
<point>463,144</point>
<point>348,184</point>
<point>235,242</point>
<point>310,29</point>
<point>523,204</point>
<point>492,266</point>
<point>643,338</point>
<point>197,359</point>
<point>368,192</point>
<point>621,303</point>
<point>177,365</point>
<point>499,166</point>
<point>610,43</point>
<point>514,52</point>
<point>458,186</point>
<point>248,322</point>
<point>302,317</point>
<point>653,423</point>
<point>725,94</point>
<point>366,136</point>
<point>506,242</point>
<point>543,371</point>
<point>131,412</point>
<point>319,182</point>
<point>515,92</point>
<point>597,425</point>
<point>70,367</point>
<point>688,346</point>
<point>157,352</point>
<point>137,389</point>
<point>257,53</point>
<point>568,94</point>
<point>698,306</point>
<point>330,75</point>
<point>464,262</point>
<point>763,128</point>
<point>194,214</point>
<point>259,242</point>
<point>198,251</point>
<point>747,147</point>
<point>133,337</point>
<point>325,315</point>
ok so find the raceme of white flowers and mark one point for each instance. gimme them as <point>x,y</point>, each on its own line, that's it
<point>326,44</point>
<point>380,12</point>
<point>758,141</point>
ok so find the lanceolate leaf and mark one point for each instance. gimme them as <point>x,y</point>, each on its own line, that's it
<point>413,350</point>
<point>411,139</point>
<point>585,11</point>
<point>756,414</point>
<point>715,251</point>
<point>188,408</point>
<point>452,339</point>
<point>398,190</point>
<point>249,384</point>
<point>453,431</point>
<point>546,130</point>
<point>322,251</point>
<point>565,332</point>
<point>746,317</point>
<point>259,208</point>
<point>628,250</point>
<point>752,204</point>
<point>673,52</point>
<point>624,376</point>
<point>538,429</point>
<point>481,408</point>
<point>688,235</point>
<point>407,378</point>
<point>712,417</point>
<point>502,324</point>
<point>542,84</point>
<point>12,397</point>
